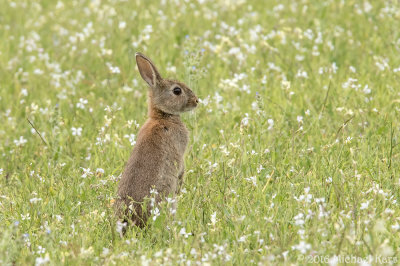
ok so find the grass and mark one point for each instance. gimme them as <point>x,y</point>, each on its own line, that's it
<point>293,153</point>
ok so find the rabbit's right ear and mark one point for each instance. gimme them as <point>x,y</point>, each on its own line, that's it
<point>147,70</point>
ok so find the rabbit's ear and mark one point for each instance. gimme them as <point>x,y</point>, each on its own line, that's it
<point>147,70</point>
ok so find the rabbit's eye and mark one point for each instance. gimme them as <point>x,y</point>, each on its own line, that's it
<point>177,91</point>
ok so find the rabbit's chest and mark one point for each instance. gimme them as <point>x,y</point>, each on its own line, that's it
<point>178,140</point>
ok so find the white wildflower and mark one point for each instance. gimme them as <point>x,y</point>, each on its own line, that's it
<point>270,124</point>
<point>131,138</point>
<point>20,142</point>
<point>100,170</point>
<point>120,227</point>
<point>86,172</point>
<point>122,25</point>
<point>213,218</point>
<point>299,119</point>
<point>34,200</point>
<point>155,212</point>
<point>302,247</point>
<point>183,232</point>
<point>245,120</point>
<point>81,104</point>
<point>42,261</point>
<point>364,205</point>
<point>76,131</point>
<point>113,69</point>
<point>253,180</point>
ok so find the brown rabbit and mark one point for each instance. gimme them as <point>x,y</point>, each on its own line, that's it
<point>156,161</point>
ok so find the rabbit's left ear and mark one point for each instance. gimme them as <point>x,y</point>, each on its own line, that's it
<point>147,70</point>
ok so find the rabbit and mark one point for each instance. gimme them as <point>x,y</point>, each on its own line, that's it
<point>157,159</point>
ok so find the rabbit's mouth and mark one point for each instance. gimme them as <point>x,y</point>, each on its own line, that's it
<point>190,108</point>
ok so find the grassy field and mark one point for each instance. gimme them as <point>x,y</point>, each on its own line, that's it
<point>293,155</point>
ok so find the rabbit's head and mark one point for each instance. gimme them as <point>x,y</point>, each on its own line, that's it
<point>169,96</point>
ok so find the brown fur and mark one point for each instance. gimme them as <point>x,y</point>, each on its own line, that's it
<point>157,158</point>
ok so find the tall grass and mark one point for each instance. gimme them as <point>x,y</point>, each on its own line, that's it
<point>293,153</point>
